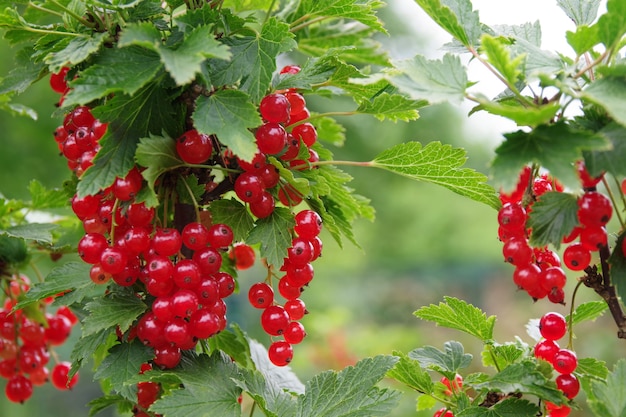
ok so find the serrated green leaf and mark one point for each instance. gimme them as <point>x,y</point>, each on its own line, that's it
<point>582,12</point>
<point>458,314</point>
<point>209,389</point>
<point>234,214</point>
<point>39,232</point>
<point>73,276</point>
<point>410,373</point>
<point>392,107</point>
<point>89,346</point>
<point>114,70</point>
<point>24,74</point>
<point>123,362</point>
<point>538,61</point>
<point>609,93</point>
<point>555,147</point>
<point>500,356</point>
<point>13,251</point>
<point>75,52</point>
<point>530,32</point>
<point>43,198</point>
<point>587,311</point>
<point>499,55</point>
<point>583,39</point>
<point>350,392</point>
<point>235,344</point>
<point>116,309</point>
<point>102,403</point>
<point>438,164</point>
<point>432,80</point>
<point>509,407</point>
<point>253,59</point>
<point>553,217</point>
<point>158,154</point>
<point>282,376</point>
<point>522,116</point>
<point>273,236</point>
<point>612,24</point>
<point>525,378</point>
<point>229,114</point>
<point>329,130</point>
<point>449,361</point>
<point>268,396</point>
<point>456,17</point>
<point>609,399</point>
<point>425,402</point>
<point>592,368</point>
<point>363,12</point>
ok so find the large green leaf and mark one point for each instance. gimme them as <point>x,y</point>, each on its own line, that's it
<point>76,51</point>
<point>392,107</point>
<point>612,24</point>
<point>438,164</point>
<point>609,93</point>
<point>409,372</point>
<point>44,198</point>
<point>582,12</point>
<point>448,361</point>
<point>123,362</point>
<point>509,407</point>
<point>609,399</point>
<point>229,115</point>
<point>553,217</point>
<point>273,235</point>
<point>117,309</point>
<point>73,276</point>
<point>456,17</point>
<point>39,232</point>
<point>363,11</point>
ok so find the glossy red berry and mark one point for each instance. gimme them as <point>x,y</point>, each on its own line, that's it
<point>512,216</point>
<point>594,209</point>
<point>576,257</point>
<point>271,138</point>
<point>58,83</point>
<point>308,224</point>
<point>60,376</point>
<point>220,235</point>
<point>569,384</point>
<point>295,308</point>
<point>565,361</point>
<point>248,187</point>
<point>243,255</point>
<point>274,320</point>
<point>552,326</point>
<point>195,235</point>
<point>294,333</point>
<point>443,412</point>
<point>194,147</point>
<point>306,133</point>
<point>167,241</point>
<point>261,295</point>
<point>280,353</point>
<point>18,389</point>
<point>275,108</point>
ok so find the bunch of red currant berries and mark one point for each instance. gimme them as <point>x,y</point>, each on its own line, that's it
<point>553,327</point>
<point>282,320</point>
<point>26,344</point>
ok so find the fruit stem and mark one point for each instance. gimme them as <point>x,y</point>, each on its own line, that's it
<point>193,199</point>
<point>570,319</point>
<point>71,13</point>
<point>613,201</point>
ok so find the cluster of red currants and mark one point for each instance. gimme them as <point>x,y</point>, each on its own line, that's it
<point>282,320</point>
<point>147,393</point>
<point>26,342</point>
<point>537,270</point>
<point>451,388</point>
<point>553,327</point>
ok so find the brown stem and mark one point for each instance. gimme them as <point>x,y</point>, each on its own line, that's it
<point>183,215</point>
<point>601,284</point>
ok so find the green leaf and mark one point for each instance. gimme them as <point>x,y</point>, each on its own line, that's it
<point>522,116</point>
<point>123,362</point>
<point>555,147</point>
<point>529,32</point>
<point>587,311</point>
<point>592,368</point>
<point>617,261</point>
<point>438,164</point>
<point>102,403</point>
<point>425,402</point>
<point>392,107</point>
<point>601,161</point>
<point>43,198</point>
<point>449,361</point>
<point>253,59</point>
<point>582,12</point>
<point>268,396</point>
<point>39,232</point>
<point>189,189</point>
<point>273,236</point>
<point>73,276</point>
<point>499,55</point>
<point>75,52</point>
<point>13,251</point>
<point>612,24</point>
<point>350,392</point>
<point>553,217</point>
<point>114,70</point>
<point>432,80</point>
<point>502,355</point>
<point>609,399</point>
<point>209,388</point>
<point>158,154</point>
<point>456,17</point>
<point>329,130</point>
<point>90,345</point>
<point>458,314</point>
<point>509,407</point>
<point>525,378</point>
<point>229,114</point>
<point>584,39</point>
<point>283,376</point>
<point>609,93</point>
<point>235,344</point>
<point>115,309</point>
<point>362,11</point>
<point>410,373</point>
<point>232,212</point>
<point>24,74</point>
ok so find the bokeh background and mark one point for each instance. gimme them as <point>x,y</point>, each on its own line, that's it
<point>426,242</point>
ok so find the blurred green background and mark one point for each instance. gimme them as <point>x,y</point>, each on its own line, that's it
<point>426,242</point>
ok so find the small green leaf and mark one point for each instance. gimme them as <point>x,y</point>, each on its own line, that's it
<point>584,39</point>
<point>438,164</point>
<point>553,217</point>
<point>350,392</point>
<point>158,154</point>
<point>509,407</point>
<point>13,250</point>
<point>233,213</point>
<point>73,276</point>
<point>118,309</point>
<point>102,403</point>
<point>235,344</point>
<point>425,402</point>
<point>75,52</point>
<point>90,346</point>
<point>363,12</point>
<point>592,368</point>
<point>282,376</point>
<point>410,373</point>
<point>267,395</point>
<point>610,160</point>
<point>529,32</point>
<point>609,399</point>
<point>273,236</point>
<point>123,362</point>
<point>609,93</point>
<point>582,12</point>
<point>392,107</point>
<point>432,80</point>
<point>39,232</point>
<point>499,55</point>
<point>209,388</point>
<point>449,361</point>
<point>229,114</point>
<point>458,314</point>
<point>43,198</point>
<point>555,147</point>
<point>456,17</point>
<point>502,355</point>
<point>612,24</point>
<point>189,190</point>
<point>588,311</point>
<point>522,116</point>
<point>23,75</point>
<point>329,130</point>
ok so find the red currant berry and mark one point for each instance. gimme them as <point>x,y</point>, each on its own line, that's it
<point>113,260</point>
<point>264,207</point>
<point>280,353</point>
<point>305,132</point>
<point>58,83</point>
<point>167,241</point>
<point>593,237</point>
<point>167,356</point>
<point>274,320</point>
<point>443,412</point>
<point>271,138</point>
<point>308,224</point>
<point>91,246</point>
<point>209,260</point>
<point>194,147</point>
<point>565,361</point>
<point>204,323</point>
<point>297,103</point>
<point>552,277</point>
<point>248,187</point>
<point>290,69</point>
<point>594,209</point>
<point>60,376</point>
<point>139,215</point>
<point>557,410</point>
<point>552,326</point>
<point>569,384</point>
<point>220,235</point>
<point>18,389</point>
<point>517,251</point>
<point>243,255</point>
<point>586,180</point>
<point>275,108</point>
<point>261,295</point>
<point>296,309</point>
<point>576,257</point>
<point>512,216</point>
<point>294,333</point>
